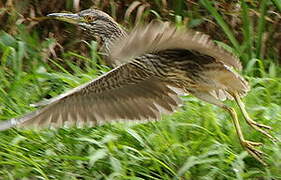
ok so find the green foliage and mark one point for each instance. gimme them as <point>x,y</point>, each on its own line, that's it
<point>221,22</point>
<point>251,38</point>
<point>278,4</point>
<point>25,69</point>
<point>197,142</point>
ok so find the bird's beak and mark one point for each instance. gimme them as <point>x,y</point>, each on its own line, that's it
<point>67,17</point>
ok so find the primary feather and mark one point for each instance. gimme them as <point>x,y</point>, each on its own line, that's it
<point>155,64</point>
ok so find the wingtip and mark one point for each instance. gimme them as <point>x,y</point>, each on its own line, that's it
<point>5,125</point>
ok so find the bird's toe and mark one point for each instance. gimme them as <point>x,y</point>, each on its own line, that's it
<point>250,148</point>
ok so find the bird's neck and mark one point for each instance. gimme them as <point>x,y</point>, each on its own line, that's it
<point>109,36</point>
<point>107,39</point>
<point>106,34</point>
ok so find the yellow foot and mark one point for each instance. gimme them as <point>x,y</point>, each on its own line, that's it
<point>250,148</point>
<point>252,123</point>
<point>259,127</point>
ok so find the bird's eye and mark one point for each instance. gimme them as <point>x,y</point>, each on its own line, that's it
<point>89,18</point>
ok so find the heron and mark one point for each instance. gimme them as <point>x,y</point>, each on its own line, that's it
<point>154,64</point>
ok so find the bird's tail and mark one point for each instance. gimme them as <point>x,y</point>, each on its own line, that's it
<point>225,80</point>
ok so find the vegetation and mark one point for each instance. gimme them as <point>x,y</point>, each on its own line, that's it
<point>38,61</point>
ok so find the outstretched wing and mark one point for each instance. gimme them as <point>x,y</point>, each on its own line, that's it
<point>163,37</point>
<point>158,36</point>
<point>124,93</point>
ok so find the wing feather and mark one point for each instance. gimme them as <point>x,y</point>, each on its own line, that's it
<point>158,36</point>
<point>117,95</point>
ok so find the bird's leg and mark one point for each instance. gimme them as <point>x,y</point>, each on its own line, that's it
<point>248,145</point>
<point>251,122</point>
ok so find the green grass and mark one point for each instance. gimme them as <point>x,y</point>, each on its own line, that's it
<point>197,142</point>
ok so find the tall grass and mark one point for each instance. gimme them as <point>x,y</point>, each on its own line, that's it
<point>207,4</point>
<point>197,142</point>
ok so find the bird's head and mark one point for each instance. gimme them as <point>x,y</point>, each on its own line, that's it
<point>93,21</point>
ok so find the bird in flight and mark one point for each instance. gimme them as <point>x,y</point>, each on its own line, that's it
<point>154,65</point>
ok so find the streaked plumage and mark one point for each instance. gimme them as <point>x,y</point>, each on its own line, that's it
<point>154,64</point>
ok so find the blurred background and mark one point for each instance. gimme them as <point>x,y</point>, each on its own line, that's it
<point>41,58</point>
<point>252,28</point>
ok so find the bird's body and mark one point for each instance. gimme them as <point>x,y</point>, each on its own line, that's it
<point>153,65</point>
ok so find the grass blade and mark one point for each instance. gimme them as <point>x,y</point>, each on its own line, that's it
<point>207,4</point>
<point>247,29</point>
<point>261,28</point>
<point>277,4</point>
